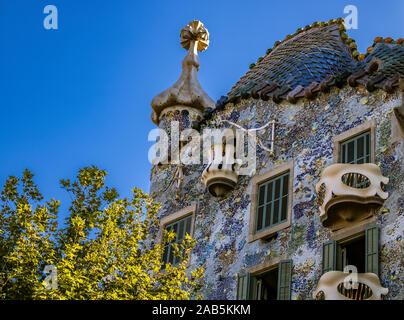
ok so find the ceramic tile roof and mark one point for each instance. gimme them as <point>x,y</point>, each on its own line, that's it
<point>314,59</point>
<point>382,67</point>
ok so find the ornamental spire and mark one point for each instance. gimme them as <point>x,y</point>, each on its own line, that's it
<point>186,92</point>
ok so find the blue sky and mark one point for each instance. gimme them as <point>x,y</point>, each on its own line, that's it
<point>80,95</point>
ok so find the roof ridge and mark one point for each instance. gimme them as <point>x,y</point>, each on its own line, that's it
<point>315,58</point>
<point>388,40</point>
<point>305,30</point>
<point>343,35</point>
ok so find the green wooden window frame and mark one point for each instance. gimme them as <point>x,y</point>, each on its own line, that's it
<point>284,279</point>
<point>273,201</point>
<point>329,256</point>
<point>372,249</point>
<point>180,227</point>
<point>357,149</point>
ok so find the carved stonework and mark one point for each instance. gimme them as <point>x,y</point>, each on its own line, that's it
<point>221,174</point>
<point>366,287</point>
<point>186,92</point>
<point>349,193</point>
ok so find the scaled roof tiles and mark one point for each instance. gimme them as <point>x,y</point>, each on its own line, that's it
<point>316,58</point>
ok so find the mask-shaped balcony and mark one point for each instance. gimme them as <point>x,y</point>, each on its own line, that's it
<point>221,174</point>
<point>338,285</point>
<point>348,193</point>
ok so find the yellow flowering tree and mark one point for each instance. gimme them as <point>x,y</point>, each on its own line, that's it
<point>102,252</point>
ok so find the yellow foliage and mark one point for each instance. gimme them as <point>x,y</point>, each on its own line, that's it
<point>101,253</point>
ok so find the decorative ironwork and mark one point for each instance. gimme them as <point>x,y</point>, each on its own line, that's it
<point>355,180</point>
<point>362,292</point>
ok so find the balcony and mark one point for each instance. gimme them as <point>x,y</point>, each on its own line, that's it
<point>348,193</point>
<point>338,285</point>
<point>221,174</point>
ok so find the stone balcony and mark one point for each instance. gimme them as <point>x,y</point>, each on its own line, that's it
<point>348,193</point>
<point>338,285</point>
<point>221,174</point>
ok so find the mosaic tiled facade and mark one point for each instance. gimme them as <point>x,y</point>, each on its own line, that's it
<point>312,101</point>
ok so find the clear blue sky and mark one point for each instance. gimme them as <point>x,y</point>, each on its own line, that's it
<point>80,95</point>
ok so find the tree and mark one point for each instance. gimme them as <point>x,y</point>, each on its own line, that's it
<point>102,251</point>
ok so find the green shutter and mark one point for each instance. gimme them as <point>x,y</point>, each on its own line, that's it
<point>372,249</point>
<point>243,286</point>
<point>329,256</point>
<point>240,284</point>
<point>251,287</point>
<point>257,292</point>
<point>284,279</point>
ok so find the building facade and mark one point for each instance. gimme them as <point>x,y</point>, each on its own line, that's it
<point>326,196</point>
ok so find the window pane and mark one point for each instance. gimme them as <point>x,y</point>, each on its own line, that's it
<point>368,147</point>
<point>277,188</point>
<point>261,195</point>
<point>188,225</point>
<point>269,192</point>
<point>351,152</point>
<point>181,230</point>
<point>284,208</point>
<point>343,156</point>
<point>259,218</point>
<point>175,227</point>
<point>170,254</point>
<point>285,185</point>
<point>268,214</point>
<point>165,254</point>
<point>361,147</point>
<point>275,212</point>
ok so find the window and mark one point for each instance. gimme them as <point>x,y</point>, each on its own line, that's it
<point>274,284</point>
<point>181,222</point>
<point>356,145</point>
<point>180,227</point>
<point>271,203</point>
<point>356,150</point>
<point>361,251</point>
